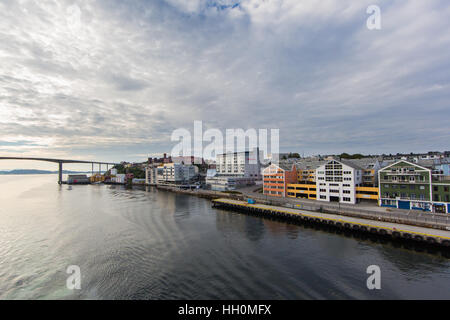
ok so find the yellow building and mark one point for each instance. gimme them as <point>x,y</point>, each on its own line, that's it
<point>305,191</point>
<point>368,193</point>
<point>97,178</point>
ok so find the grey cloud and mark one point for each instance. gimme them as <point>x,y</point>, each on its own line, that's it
<point>132,72</point>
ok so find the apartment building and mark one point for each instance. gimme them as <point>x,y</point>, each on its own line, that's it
<point>276,178</point>
<point>173,173</point>
<point>235,170</point>
<point>305,187</point>
<point>410,186</point>
<point>302,191</point>
<point>244,164</point>
<point>336,181</point>
<point>150,174</point>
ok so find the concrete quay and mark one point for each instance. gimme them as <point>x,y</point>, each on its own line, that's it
<point>381,228</point>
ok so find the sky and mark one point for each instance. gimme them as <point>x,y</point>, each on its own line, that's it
<point>111,80</point>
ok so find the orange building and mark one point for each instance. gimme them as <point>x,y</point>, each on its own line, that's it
<point>277,177</point>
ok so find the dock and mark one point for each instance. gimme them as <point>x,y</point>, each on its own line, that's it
<point>381,228</point>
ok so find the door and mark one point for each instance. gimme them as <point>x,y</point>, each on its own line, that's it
<point>404,205</point>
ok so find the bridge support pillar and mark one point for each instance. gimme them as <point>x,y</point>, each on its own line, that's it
<point>60,173</point>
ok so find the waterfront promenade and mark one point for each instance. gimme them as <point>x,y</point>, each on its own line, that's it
<point>371,212</point>
<point>395,230</point>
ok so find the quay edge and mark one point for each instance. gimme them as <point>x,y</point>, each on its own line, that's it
<point>396,231</point>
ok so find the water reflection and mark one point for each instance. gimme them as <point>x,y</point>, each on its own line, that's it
<point>145,243</point>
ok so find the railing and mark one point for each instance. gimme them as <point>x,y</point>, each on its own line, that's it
<point>411,217</point>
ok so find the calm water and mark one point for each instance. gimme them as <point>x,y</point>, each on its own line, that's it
<point>149,244</point>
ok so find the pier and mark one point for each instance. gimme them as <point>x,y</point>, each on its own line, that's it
<point>381,228</point>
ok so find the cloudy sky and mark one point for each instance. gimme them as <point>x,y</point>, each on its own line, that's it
<point>110,80</point>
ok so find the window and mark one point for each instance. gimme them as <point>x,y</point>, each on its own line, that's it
<point>347,199</point>
<point>347,191</point>
<point>435,188</point>
<point>323,197</point>
<point>446,189</point>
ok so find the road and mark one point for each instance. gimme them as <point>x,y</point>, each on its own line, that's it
<point>364,210</point>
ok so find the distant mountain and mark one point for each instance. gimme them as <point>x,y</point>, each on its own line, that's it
<point>34,171</point>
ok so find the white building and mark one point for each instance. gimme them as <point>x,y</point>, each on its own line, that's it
<point>235,170</point>
<point>337,180</point>
<point>119,178</point>
<point>150,174</point>
<point>241,164</point>
<point>175,173</point>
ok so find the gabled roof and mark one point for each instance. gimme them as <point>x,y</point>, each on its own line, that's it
<point>282,165</point>
<point>309,165</point>
<point>410,163</point>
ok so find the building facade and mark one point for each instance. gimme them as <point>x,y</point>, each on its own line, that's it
<point>235,170</point>
<point>336,181</point>
<point>175,173</point>
<point>243,164</point>
<point>409,186</point>
<point>276,178</point>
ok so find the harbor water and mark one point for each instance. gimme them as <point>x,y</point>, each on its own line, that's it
<point>145,243</point>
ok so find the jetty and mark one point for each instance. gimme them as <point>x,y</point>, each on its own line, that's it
<point>381,228</point>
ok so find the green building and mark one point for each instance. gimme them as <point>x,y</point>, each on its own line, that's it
<point>405,185</point>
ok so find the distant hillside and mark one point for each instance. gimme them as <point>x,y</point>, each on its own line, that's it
<point>34,171</point>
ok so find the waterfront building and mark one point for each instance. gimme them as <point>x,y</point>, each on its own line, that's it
<point>370,168</point>
<point>150,174</point>
<point>119,178</point>
<point>276,178</point>
<point>78,179</point>
<point>175,173</point>
<point>240,164</point>
<point>336,181</point>
<point>235,170</point>
<point>410,186</point>
<point>306,170</point>
<point>97,178</point>
<point>303,191</point>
